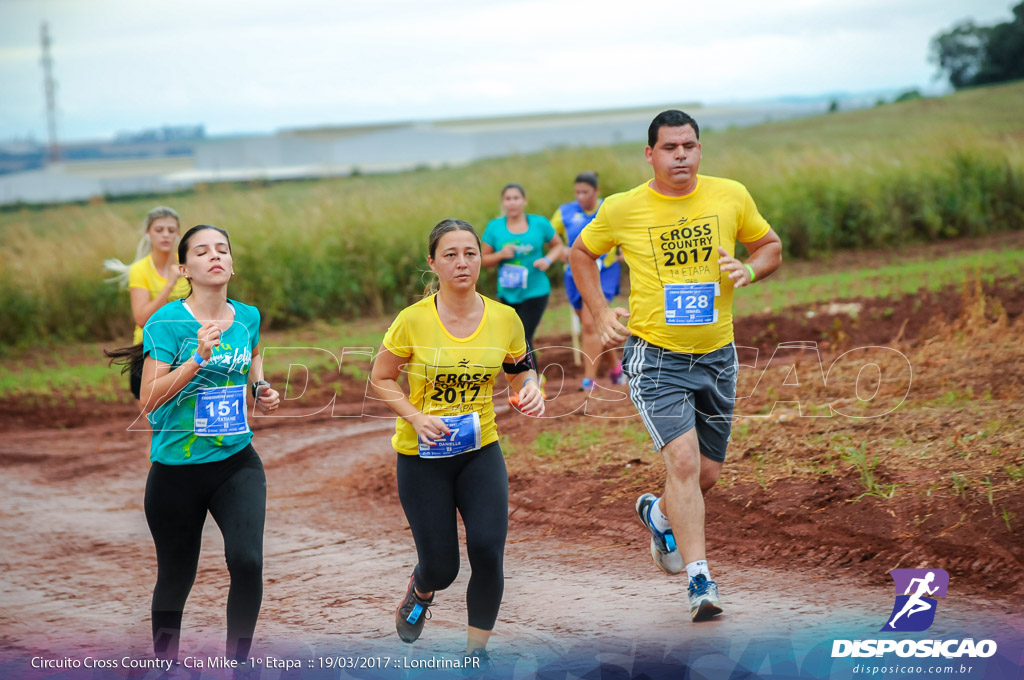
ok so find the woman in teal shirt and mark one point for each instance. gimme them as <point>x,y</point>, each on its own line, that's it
<point>515,243</point>
<point>201,361</point>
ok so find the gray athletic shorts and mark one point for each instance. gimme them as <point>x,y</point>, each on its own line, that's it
<point>674,392</point>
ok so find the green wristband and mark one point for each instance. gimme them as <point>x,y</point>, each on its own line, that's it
<point>751,270</point>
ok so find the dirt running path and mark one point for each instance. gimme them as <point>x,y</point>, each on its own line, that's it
<point>78,565</point>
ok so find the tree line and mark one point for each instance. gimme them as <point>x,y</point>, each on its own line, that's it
<point>969,54</point>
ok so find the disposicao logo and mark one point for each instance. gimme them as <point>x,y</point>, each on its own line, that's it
<point>914,611</point>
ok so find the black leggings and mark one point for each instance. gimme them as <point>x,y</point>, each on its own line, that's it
<point>530,312</point>
<point>475,483</point>
<point>234,490</point>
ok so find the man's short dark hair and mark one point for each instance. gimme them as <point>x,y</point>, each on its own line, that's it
<point>587,177</point>
<point>670,118</point>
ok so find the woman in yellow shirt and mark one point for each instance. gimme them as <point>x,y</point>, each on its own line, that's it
<point>154,278</point>
<point>452,345</point>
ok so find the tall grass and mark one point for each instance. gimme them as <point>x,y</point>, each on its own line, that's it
<point>339,248</point>
<point>41,375</point>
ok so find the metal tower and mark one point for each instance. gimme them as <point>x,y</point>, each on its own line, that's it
<point>50,86</point>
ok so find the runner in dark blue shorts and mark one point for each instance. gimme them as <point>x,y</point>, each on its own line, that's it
<point>569,221</point>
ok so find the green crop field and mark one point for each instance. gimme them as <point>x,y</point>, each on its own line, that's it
<point>346,248</point>
<point>42,375</point>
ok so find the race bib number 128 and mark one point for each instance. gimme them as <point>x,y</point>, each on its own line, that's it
<point>691,304</point>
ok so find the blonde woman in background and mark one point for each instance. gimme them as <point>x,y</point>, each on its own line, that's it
<point>154,278</point>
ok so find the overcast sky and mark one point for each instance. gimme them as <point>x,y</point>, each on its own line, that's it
<point>261,65</point>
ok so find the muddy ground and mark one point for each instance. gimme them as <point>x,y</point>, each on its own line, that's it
<point>793,540</point>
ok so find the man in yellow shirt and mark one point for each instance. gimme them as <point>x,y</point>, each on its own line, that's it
<point>678,233</point>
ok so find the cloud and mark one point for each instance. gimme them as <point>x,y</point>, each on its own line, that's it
<point>121,64</point>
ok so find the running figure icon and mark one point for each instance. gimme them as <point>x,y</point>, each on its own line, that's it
<point>915,604</point>
<point>916,592</point>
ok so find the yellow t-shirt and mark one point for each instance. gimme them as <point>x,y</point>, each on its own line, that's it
<point>675,240</point>
<point>143,274</point>
<point>448,375</point>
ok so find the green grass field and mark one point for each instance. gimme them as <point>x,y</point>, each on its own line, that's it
<point>44,375</point>
<point>883,282</point>
<point>347,248</point>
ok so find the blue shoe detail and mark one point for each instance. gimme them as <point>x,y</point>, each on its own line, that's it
<point>670,542</point>
<point>704,602</point>
<point>663,545</point>
<point>699,585</point>
<point>412,613</point>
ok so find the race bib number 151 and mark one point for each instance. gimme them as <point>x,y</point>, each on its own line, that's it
<point>221,411</point>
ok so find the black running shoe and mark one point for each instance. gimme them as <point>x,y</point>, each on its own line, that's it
<point>412,613</point>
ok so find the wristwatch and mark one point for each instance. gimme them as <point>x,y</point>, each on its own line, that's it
<point>257,385</point>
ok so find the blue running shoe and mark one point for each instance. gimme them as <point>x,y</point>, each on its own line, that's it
<point>412,614</point>
<point>704,602</point>
<point>663,545</point>
<point>587,385</point>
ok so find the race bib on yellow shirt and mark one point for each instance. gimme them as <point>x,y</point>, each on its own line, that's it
<point>691,304</point>
<point>465,436</point>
